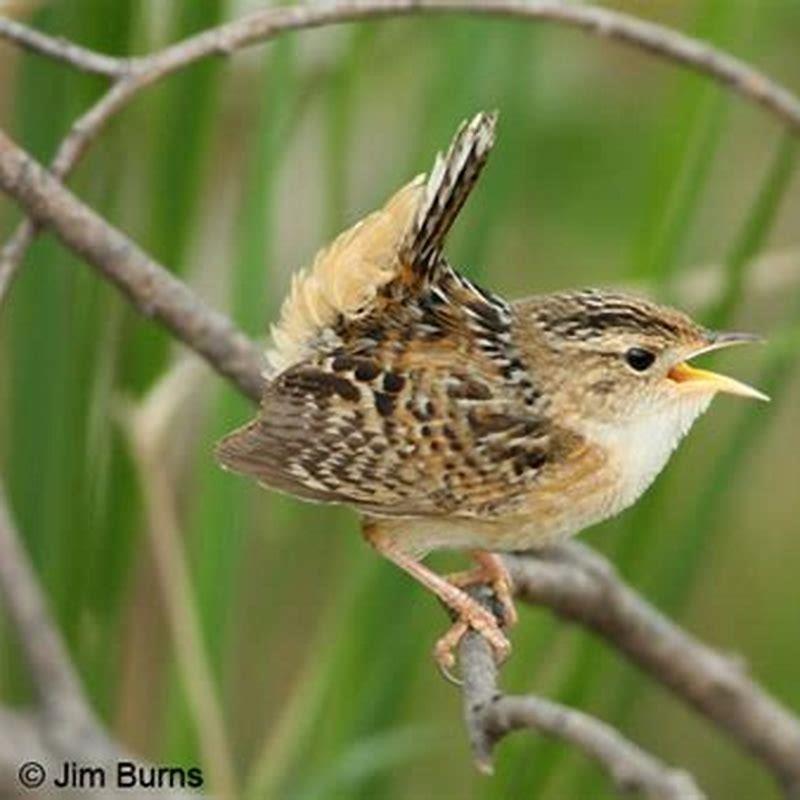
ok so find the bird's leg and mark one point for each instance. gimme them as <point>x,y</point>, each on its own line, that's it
<point>469,613</point>
<point>492,571</point>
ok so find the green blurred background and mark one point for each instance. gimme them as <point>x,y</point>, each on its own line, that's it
<point>301,667</point>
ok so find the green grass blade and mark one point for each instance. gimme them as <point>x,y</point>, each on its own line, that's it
<point>756,228</point>
<point>690,132</point>
<point>178,119</point>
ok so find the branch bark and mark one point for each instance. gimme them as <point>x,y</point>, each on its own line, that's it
<point>579,585</point>
<point>53,676</point>
<point>63,726</point>
<point>262,25</point>
<point>134,74</point>
<point>148,285</point>
<point>491,715</point>
<point>67,52</point>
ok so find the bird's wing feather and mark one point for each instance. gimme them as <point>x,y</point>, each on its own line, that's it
<point>396,387</point>
<point>424,410</point>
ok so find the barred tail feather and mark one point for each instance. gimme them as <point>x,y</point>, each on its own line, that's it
<point>449,184</point>
<point>403,240</point>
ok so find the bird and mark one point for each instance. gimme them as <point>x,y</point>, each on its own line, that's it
<point>451,418</point>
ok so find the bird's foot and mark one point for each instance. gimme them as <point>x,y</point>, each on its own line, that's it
<point>467,612</point>
<point>492,572</point>
<point>470,615</point>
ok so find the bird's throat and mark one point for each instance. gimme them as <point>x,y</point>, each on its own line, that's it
<point>639,449</point>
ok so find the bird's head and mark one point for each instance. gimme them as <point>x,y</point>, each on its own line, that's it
<point>613,359</point>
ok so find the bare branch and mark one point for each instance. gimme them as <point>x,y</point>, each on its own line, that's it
<point>265,24</point>
<point>12,253</point>
<point>135,74</point>
<point>148,285</point>
<point>578,584</point>
<point>490,716</point>
<point>63,726</point>
<point>69,152</point>
<point>653,38</point>
<point>52,674</point>
<point>62,50</point>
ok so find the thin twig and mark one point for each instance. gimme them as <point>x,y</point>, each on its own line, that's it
<point>491,715</point>
<point>63,727</point>
<point>53,676</point>
<point>69,152</point>
<point>264,24</point>
<point>578,584</point>
<point>62,50</point>
<point>149,286</point>
<point>133,75</point>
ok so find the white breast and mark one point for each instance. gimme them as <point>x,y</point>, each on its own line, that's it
<point>640,448</point>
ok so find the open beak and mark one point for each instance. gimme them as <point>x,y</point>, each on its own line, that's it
<point>705,380</point>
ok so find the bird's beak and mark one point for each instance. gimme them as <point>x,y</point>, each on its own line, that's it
<point>703,379</point>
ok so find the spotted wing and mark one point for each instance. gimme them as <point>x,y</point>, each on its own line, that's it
<point>426,410</point>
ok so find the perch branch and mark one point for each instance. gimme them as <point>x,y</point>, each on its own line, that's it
<point>490,716</point>
<point>571,582</point>
<point>579,585</point>
<point>134,74</point>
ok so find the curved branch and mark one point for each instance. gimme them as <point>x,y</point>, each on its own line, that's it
<point>149,286</point>
<point>69,152</point>
<point>579,585</point>
<point>62,50</point>
<point>52,674</point>
<point>263,25</point>
<point>490,716</point>
<point>135,74</point>
<point>63,726</point>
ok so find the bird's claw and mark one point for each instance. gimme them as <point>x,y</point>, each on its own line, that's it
<point>500,584</point>
<point>481,621</point>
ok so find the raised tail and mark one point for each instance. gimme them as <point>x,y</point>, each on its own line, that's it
<point>446,190</point>
<point>400,244</point>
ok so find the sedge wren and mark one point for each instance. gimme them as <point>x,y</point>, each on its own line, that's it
<point>452,418</point>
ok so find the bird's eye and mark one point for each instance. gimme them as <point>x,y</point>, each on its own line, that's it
<point>639,359</point>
